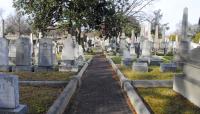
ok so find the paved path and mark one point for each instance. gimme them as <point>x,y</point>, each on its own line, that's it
<point>99,92</point>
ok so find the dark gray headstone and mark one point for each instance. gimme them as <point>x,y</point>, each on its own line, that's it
<point>45,52</point>
<point>23,52</point>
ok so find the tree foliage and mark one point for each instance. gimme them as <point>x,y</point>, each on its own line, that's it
<point>196,38</point>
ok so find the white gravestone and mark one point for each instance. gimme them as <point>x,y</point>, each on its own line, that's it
<point>9,91</point>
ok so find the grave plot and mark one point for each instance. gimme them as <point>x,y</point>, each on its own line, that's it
<point>166,101</point>
<point>38,99</point>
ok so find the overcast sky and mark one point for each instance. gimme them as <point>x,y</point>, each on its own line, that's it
<point>172,10</point>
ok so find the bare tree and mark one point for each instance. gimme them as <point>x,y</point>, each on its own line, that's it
<point>17,24</point>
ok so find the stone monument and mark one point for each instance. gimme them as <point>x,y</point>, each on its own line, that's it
<point>69,55</point>
<point>3,50</point>
<point>9,95</point>
<point>188,84</point>
<point>23,54</point>
<point>45,60</point>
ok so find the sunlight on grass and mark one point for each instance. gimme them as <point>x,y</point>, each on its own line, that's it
<point>166,101</point>
<point>153,74</point>
<point>43,75</point>
<point>38,99</point>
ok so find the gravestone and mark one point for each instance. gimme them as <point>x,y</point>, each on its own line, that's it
<point>127,59</point>
<point>45,60</point>
<point>140,67</point>
<point>188,84</point>
<point>146,52</point>
<point>168,67</point>
<point>3,50</point>
<point>155,61</point>
<point>81,58</point>
<point>23,54</point>
<point>9,95</point>
<point>69,55</point>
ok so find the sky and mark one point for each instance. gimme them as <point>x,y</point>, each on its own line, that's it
<point>172,10</point>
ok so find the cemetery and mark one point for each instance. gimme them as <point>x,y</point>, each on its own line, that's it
<point>98,57</point>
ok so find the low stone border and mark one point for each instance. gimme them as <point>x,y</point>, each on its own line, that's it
<point>63,100</point>
<point>44,83</point>
<point>152,83</point>
<point>135,99</point>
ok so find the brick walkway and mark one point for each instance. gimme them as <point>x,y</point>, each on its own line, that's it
<point>99,92</point>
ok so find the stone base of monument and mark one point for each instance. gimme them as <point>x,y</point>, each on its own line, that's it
<point>66,69</point>
<point>140,67</point>
<point>143,60</point>
<point>155,61</point>
<point>169,67</point>
<point>4,68</point>
<point>187,87</point>
<point>43,69</point>
<point>127,62</point>
<point>22,68</point>
<point>21,109</point>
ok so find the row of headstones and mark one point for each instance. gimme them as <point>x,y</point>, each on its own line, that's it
<point>144,59</point>
<point>24,56</point>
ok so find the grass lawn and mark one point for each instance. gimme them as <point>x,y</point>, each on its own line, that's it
<point>87,57</point>
<point>116,59</point>
<point>54,76</point>
<point>153,74</point>
<point>168,57</point>
<point>38,99</point>
<point>166,101</point>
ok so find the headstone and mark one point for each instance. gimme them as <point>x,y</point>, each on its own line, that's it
<point>9,95</point>
<point>146,48</point>
<point>12,52</point>
<point>168,67</point>
<point>127,59</point>
<point>140,67</point>
<point>155,61</point>
<point>69,55</point>
<point>23,54</point>
<point>45,60</point>
<point>81,57</point>
<point>3,50</point>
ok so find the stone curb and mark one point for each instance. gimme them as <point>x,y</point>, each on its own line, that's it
<point>43,83</point>
<point>63,99</point>
<point>133,96</point>
<point>152,83</point>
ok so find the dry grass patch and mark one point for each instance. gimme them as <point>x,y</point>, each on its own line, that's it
<point>153,74</point>
<point>166,101</point>
<point>50,76</point>
<point>38,99</point>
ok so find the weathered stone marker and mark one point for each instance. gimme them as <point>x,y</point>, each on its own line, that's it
<point>23,54</point>
<point>140,67</point>
<point>9,95</point>
<point>45,59</point>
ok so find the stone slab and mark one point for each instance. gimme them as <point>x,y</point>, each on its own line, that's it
<point>9,91</point>
<point>168,67</point>
<point>140,67</point>
<point>188,88</point>
<point>66,69</point>
<point>152,83</point>
<point>192,71</point>
<point>155,61</point>
<point>21,109</point>
<point>43,69</point>
<point>22,68</point>
<point>143,60</point>
<point>127,62</point>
